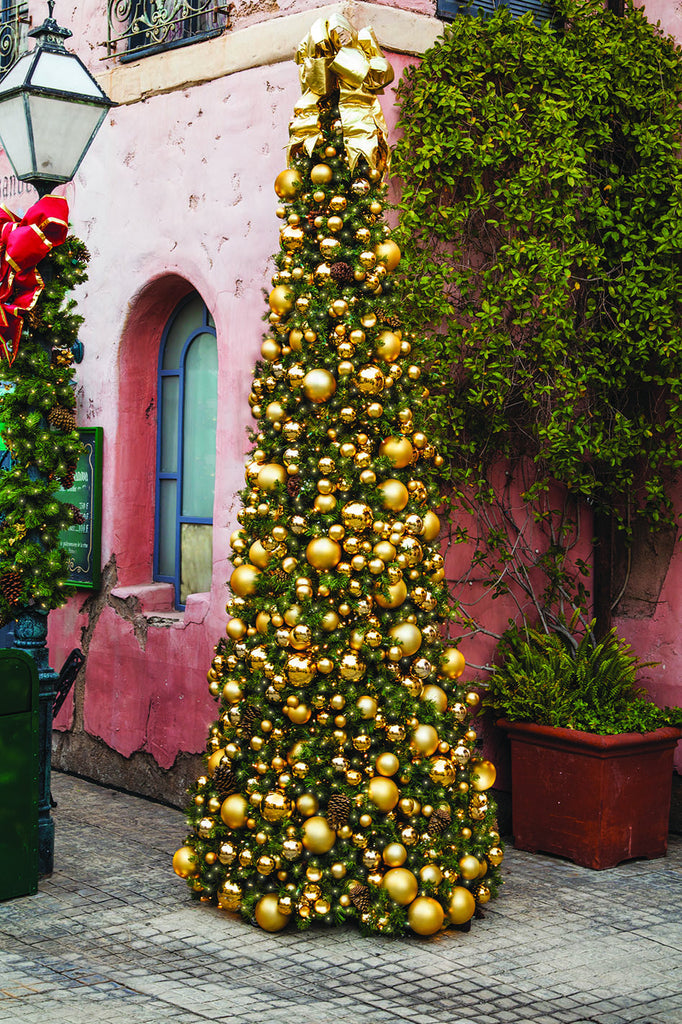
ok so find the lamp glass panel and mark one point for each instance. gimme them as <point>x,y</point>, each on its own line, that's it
<point>64,72</point>
<point>14,78</point>
<point>14,134</point>
<point>62,132</point>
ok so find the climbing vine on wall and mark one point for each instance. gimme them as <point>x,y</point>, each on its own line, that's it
<point>542,232</point>
<point>37,403</point>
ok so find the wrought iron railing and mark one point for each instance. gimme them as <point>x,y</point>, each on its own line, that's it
<point>136,28</point>
<point>14,25</point>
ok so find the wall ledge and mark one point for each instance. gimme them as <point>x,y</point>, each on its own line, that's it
<point>152,597</point>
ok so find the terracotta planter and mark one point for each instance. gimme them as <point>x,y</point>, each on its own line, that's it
<point>597,800</point>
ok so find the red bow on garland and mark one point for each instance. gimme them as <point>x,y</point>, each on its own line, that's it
<point>23,244</point>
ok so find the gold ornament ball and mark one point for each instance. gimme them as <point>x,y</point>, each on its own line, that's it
<point>292,849</point>
<point>431,526</point>
<point>462,906</point>
<point>425,740</point>
<point>259,556</point>
<point>235,629</point>
<point>483,894</point>
<point>436,695</point>
<point>495,855</point>
<point>229,896</point>
<point>234,811</point>
<point>292,238</point>
<point>367,706</point>
<point>323,553</point>
<point>370,380</point>
<point>387,346</point>
<point>321,174</point>
<point>243,580</point>
<point>394,494</point>
<point>425,916</point>
<point>387,764</point>
<point>442,771</point>
<point>281,299</point>
<point>268,915</point>
<point>452,663</point>
<point>432,874</point>
<point>271,475</point>
<point>357,516</point>
<point>185,862</point>
<point>300,714</point>
<point>307,805</point>
<point>318,837</point>
<point>288,183</point>
<point>398,450</point>
<point>401,885</point>
<point>469,867</point>
<point>394,855</point>
<point>397,593</point>
<point>389,253</point>
<point>214,760</point>
<point>351,667</point>
<point>408,637</point>
<point>383,793</point>
<point>484,774</point>
<point>300,669</point>
<point>319,385</point>
<point>275,806</point>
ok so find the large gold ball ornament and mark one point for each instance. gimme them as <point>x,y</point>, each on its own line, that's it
<point>442,771</point>
<point>425,740</point>
<point>357,516</point>
<point>431,526</point>
<point>462,905</point>
<point>397,593</point>
<point>394,494</point>
<point>319,385</point>
<point>394,855</point>
<point>275,806</point>
<point>235,629</point>
<point>323,553</point>
<point>259,556</point>
<point>321,174</point>
<point>408,637</point>
<point>469,867</point>
<point>185,862</point>
<point>307,805</point>
<point>300,714</point>
<point>292,238</point>
<point>388,253</point>
<point>271,476</point>
<point>300,669</point>
<point>383,793</point>
<point>351,667</point>
<point>484,774</point>
<point>317,836</point>
<point>398,450</point>
<point>288,183</point>
<point>281,299</point>
<point>436,696</point>
<point>425,916</point>
<point>370,380</point>
<point>234,811</point>
<point>243,580</point>
<point>431,873</point>
<point>387,764</point>
<point>387,346</point>
<point>367,706</point>
<point>268,915</point>
<point>452,663</point>
<point>401,885</point>
<point>214,760</point>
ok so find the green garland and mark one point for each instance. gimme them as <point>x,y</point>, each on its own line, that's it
<point>39,429</point>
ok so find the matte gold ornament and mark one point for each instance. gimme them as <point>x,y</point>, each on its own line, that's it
<point>307,805</point>
<point>243,580</point>
<point>397,593</point>
<point>288,183</point>
<point>321,174</point>
<point>452,663</point>
<point>431,874</point>
<point>323,553</point>
<point>319,385</point>
<point>407,636</point>
<point>469,867</point>
<point>281,299</point>
<point>235,629</point>
<point>367,706</point>
<point>383,793</point>
<point>425,740</point>
<point>401,885</point>
<point>271,476</point>
<point>268,915</point>
<point>388,253</point>
<point>394,855</point>
<point>259,556</point>
<point>394,494</point>
<point>484,774</point>
<point>398,450</point>
<point>234,811</point>
<point>425,916</point>
<point>431,526</point>
<point>275,806</point>
<point>317,836</point>
<point>300,714</point>
<point>436,696</point>
<point>462,906</point>
<point>387,764</point>
<point>185,862</point>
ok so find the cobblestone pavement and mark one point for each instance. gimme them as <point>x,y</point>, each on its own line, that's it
<point>113,936</point>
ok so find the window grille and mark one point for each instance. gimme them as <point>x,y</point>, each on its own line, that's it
<point>136,28</point>
<point>449,9</point>
<point>14,24</point>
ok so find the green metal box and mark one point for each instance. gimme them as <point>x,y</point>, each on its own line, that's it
<point>18,775</point>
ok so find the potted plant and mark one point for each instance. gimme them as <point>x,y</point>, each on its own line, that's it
<point>592,757</point>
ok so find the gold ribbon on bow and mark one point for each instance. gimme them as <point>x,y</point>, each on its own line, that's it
<point>333,55</point>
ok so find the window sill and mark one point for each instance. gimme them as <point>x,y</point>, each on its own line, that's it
<point>152,597</point>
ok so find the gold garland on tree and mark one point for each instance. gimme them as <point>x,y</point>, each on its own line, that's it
<point>342,776</point>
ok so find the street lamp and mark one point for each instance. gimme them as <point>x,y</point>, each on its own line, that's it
<point>50,111</point>
<point>51,108</point>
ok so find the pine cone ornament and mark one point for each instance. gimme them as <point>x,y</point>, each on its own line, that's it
<point>62,419</point>
<point>11,586</point>
<point>393,321</point>
<point>338,810</point>
<point>341,272</point>
<point>293,486</point>
<point>67,480</point>
<point>78,517</point>
<point>359,896</point>
<point>439,821</point>
<point>224,779</point>
<point>249,718</point>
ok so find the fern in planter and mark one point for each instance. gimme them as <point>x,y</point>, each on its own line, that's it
<point>549,679</point>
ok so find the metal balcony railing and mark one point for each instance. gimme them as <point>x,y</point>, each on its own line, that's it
<point>136,28</point>
<point>14,25</point>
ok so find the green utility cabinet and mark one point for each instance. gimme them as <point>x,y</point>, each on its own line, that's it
<point>19,771</point>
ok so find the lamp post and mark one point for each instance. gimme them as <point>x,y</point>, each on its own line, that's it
<point>50,111</point>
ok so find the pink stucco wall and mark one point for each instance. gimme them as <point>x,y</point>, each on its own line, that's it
<point>177,194</point>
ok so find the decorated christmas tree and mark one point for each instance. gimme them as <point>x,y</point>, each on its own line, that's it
<point>342,778</point>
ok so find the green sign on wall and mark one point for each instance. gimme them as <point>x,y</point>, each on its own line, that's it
<point>83,540</point>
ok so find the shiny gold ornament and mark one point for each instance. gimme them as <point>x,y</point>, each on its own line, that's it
<point>325,503</point>
<point>265,864</point>
<point>375,410</point>
<point>243,580</point>
<point>259,556</point>
<point>351,667</point>
<point>483,894</point>
<point>185,862</point>
<point>370,380</point>
<point>235,629</point>
<point>459,711</point>
<point>461,754</point>
<point>371,858</point>
<point>388,253</point>
<point>484,774</point>
<point>321,174</point>
<point>292,238</point>
<point>387,346</point>
<point>300,669</point>
<point>275,806</point>
<point>234,811</point>
<point>401,885</point>
<point>398,450</point>
<point>442,771</point>
<point>323,553</point>
<point>357,516</point>
<point>407,636</point>
<point>367,706</point>
<point>227,853</point>
<point>383,792</point>
<point>495,855</point>
<point>300,637</point>
<point>330,621</point>
<point>285,904</point>
<point>318,837</point>
<point>385,550</point>
<point>268,915</point>
<point>462,906</point>
<point>425,740</point>
<point>288,183</point>
<point>409,835</point>
<point>292,849</point>
<point>319,385</point>
<point>394,494</point>
<point>329,246</point>
<point>214,760</point>
<point>229,896</point>
<point>397,593</point>
<point>339,307</point>
<point>394,855</point>
<point>387,764</point>
<point>431,526</point>
<point>270,349</point>
<point>452,663</point>
<point>338,871</point>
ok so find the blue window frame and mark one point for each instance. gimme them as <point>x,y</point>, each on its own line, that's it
<point>186,447</point>
<point>449,9</point>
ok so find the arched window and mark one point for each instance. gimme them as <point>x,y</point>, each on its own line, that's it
<point>188,410</point>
